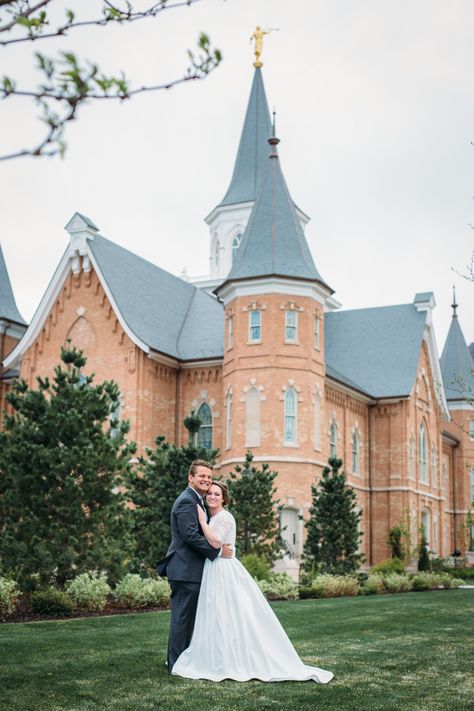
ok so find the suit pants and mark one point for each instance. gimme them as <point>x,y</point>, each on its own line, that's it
<point>184,598</point>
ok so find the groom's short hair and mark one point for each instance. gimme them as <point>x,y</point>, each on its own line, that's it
<point>198,463</point>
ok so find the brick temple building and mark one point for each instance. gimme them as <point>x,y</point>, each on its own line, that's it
<point>261,349</point>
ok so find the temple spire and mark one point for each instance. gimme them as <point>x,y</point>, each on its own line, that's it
<point>454,305</point>
<point>273,244</point>
<point>253,149</point>
<point>8,307</point>
<point>456,363</point>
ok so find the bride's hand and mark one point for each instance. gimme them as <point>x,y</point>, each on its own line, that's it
<point>201,515</point>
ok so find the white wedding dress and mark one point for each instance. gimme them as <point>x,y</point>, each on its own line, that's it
<point>236,633</point>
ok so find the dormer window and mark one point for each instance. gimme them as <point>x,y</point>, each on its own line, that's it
<point>255,332</point>
<point>235,246</point>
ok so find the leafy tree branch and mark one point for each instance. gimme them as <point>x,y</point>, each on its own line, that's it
<point>67,81</point>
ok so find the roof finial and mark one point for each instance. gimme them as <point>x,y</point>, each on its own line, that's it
<point>454,304</point>
<point>258,37</point>
<point>273,140</point>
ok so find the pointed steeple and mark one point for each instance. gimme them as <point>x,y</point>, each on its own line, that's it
<point>456,363</point>
<point>253,149</point>
<point>8,307</point>
<point>273,243</point>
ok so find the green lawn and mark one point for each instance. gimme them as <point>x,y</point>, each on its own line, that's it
<point>388,653</point>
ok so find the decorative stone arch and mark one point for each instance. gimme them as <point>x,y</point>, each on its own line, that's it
<point>425,521</point>
<point>228,417</point>
<point>356,449</point>
<point>82,334</point>
<point>233,237</point>
<point>333,434</point>
<point>204,407</point>
<point>423,451</point>
<point>423,390</point>
<point>291,397</point>
<point>252,398</point>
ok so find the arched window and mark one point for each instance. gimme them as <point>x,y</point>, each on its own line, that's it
<point>422,455</point>
<point>317,420</point>
<point>412,457</point>
<point>235,245</point>
<point>436,533</point>
<point>317,338</point>
<point>252,418</point>
<point>426,525</point>
<point>355,452</point>
<point>290,416</point>
<point>228,424</point>
<point>434,478</point>
<point>205,431</point>
<point>332,439</point>
<point>471,428</point>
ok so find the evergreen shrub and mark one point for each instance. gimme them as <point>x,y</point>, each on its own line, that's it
<point>89,591</point>
<point>395,583</point>
<point>51,601</point>
<point>9,596</point>
<point>429,581</point>
<point>327,585</point>
<point>134,592</point>
<point>257,566</point>
<point>279,586</point>
<point>389,565</point>
<point>373,585</point>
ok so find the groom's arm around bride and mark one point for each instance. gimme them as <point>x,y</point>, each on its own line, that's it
<point>184,561</point>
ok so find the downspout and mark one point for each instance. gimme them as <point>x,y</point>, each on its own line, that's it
<point>453,469</point>
<point>371,538</point>
<point>176,410</point>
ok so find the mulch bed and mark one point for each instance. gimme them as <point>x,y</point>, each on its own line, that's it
<point>23,613</point>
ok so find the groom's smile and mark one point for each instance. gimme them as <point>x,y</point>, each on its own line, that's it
<point>201,479</point>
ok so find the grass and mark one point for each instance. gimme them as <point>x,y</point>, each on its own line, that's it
<point>389,653</point>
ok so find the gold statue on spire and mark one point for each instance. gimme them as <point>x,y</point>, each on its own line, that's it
<point>258,37</point>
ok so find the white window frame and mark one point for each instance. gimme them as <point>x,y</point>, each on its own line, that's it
<point>236,241</point>
<point>317,421</point>
<point>255,314</point>
<point>333,439</point>
<point>471,428</point>
<point>355,452</point>
<point>290,438</point>
<point>412,457</point>
<point>317,334</point>
<point>205,427</point>
<point>422,452</point>
<point>291,328</point>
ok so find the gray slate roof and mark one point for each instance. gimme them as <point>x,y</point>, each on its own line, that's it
<point>273,243</point>
<point>8,308</point>
<point>375,350</point>
<point>165,312</point>
<point>456,364</point>
<point>253,148</point>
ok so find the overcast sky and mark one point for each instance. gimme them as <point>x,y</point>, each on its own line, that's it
<point>375,113</point>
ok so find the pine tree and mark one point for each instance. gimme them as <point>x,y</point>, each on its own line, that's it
<point>252,502</point>
<point>153,487</point>
<point>333,534</point>
<point>63,459</point>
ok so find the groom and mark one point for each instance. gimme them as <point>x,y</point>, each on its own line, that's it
<point>184,561</point>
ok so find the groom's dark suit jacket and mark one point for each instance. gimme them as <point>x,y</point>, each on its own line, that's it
<point>188,548</point>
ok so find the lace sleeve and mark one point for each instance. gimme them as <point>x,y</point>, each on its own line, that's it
<point>222,527</point>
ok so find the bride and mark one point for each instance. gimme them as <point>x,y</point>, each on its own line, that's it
<point>236,634</point>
